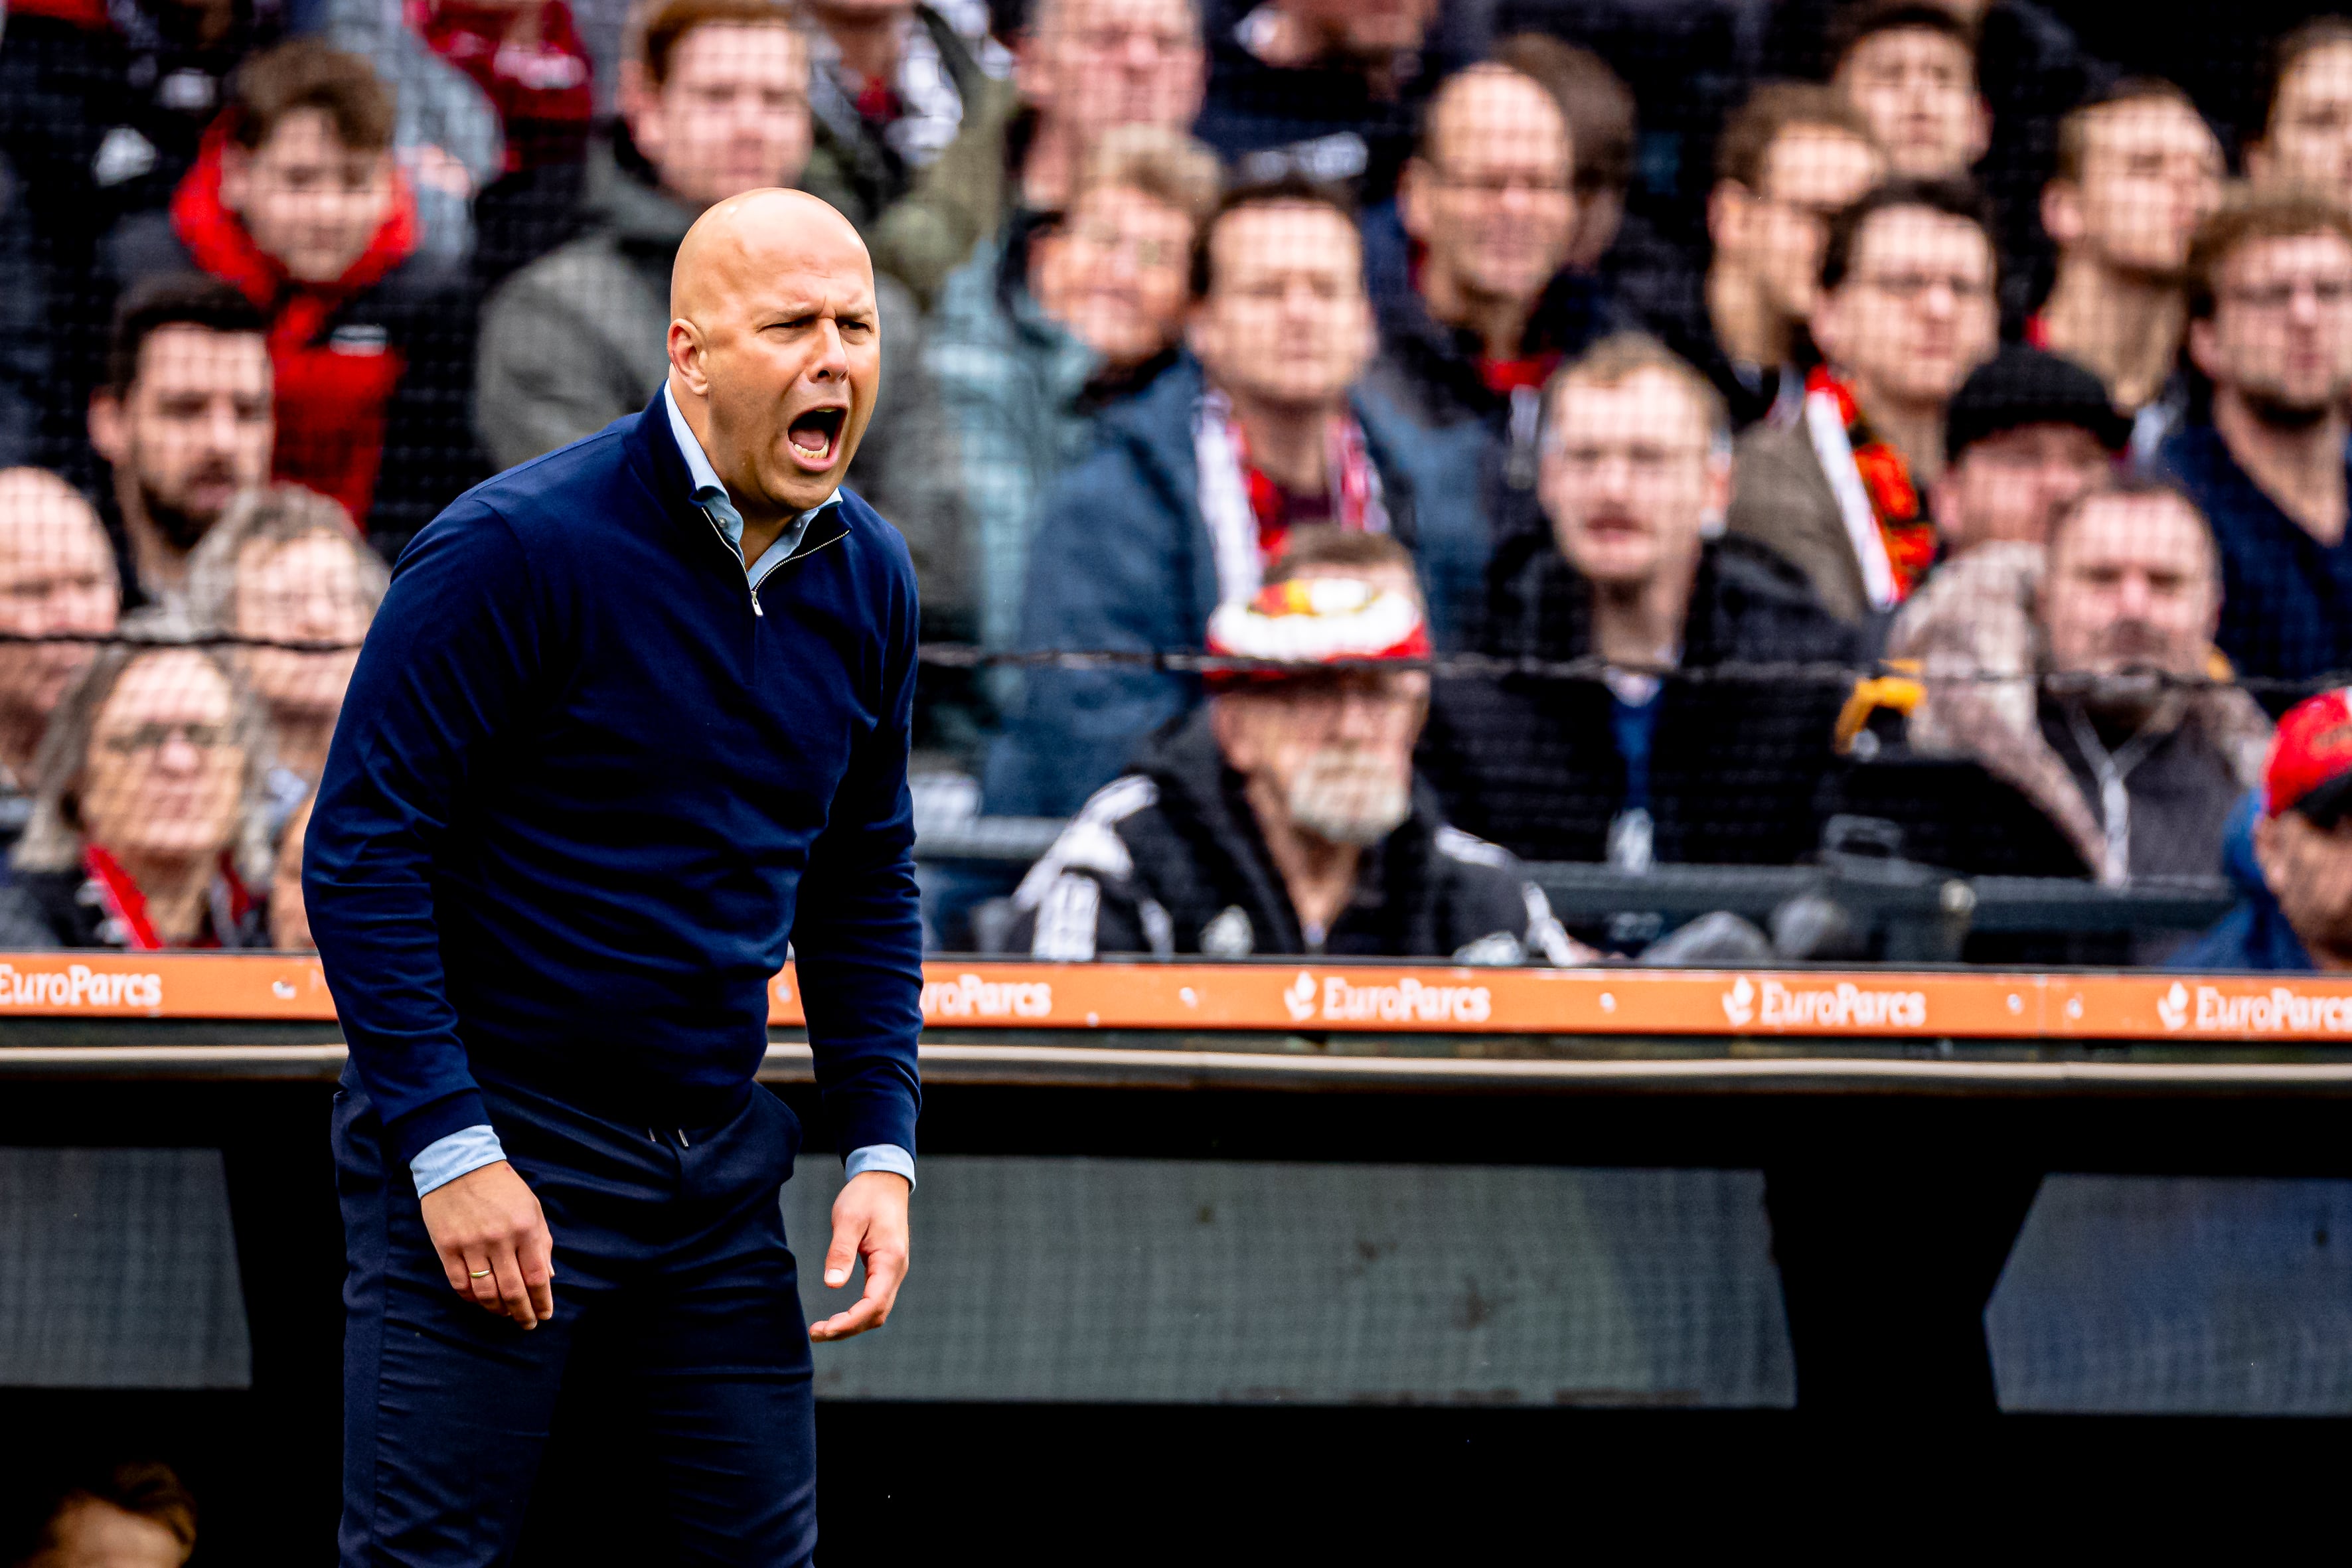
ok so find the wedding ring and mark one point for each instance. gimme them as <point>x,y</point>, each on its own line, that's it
<point>481,1274</point>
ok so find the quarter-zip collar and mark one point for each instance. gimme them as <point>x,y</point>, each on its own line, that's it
<point>709,494</point>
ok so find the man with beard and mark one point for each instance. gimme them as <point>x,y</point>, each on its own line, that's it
<point>57,579</point>
<point>1645,762</point>
<point>1283,818</point>
<point>2290,853</point>
<point>2138,170</point>
<point>184,419</point>
<point>2131,759</point>
<point>2270,307</point>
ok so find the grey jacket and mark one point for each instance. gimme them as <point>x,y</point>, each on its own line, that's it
<point>1780,498</point>
<point>578,339</point>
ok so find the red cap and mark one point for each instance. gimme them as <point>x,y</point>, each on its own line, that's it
<point>2312,751</point>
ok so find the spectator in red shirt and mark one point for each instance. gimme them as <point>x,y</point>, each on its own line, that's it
<point>296,203</point>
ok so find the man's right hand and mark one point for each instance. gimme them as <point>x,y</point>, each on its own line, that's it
<point>493,1244</point>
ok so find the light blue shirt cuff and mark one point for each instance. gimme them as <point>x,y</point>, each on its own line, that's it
<point>446,1159</point>
<point>873,1157</point>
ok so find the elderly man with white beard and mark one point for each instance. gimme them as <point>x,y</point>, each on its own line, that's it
<point>1283,816</point>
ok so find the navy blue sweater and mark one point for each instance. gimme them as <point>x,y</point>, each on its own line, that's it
<point>581,795</point>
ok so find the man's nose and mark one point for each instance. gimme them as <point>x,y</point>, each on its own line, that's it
<point>832,356</point>
<point>178,754</point>
<point>220,425</point>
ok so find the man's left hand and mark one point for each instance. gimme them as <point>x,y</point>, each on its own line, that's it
<point>869,1222</point>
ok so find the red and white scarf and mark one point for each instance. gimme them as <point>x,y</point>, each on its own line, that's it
<point>1242,507</point>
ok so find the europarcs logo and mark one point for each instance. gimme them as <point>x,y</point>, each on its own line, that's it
<point>1776,1004</point>
<point>1335,999</point>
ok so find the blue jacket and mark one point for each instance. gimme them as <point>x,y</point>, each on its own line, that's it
<point>2286,599</point>
<point>1121,561</point>
<point>588,784</point>
<point>2255,935</point>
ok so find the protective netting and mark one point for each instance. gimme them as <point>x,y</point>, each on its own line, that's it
<point>1505,480</point>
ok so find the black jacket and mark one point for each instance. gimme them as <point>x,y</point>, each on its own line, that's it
<point>1169,860</point>
<point>1531,761</point>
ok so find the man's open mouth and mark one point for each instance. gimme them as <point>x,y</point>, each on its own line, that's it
<point>814,436</point>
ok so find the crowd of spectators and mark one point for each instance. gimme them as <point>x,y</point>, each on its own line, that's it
<point>1880,410</point>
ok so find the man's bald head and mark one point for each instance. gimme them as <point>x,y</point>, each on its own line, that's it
<point>775,347</point>
<point>57,579</point>
<point>757,229</point>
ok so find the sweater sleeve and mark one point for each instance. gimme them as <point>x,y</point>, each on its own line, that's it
<point>858,938</point>
<point>439,679</point>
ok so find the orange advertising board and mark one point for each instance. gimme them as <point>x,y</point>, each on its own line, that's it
<point>1317,998</point>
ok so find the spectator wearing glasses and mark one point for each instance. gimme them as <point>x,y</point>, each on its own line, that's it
<point>576,340</point>
<point>2110,734</point>
<point>1194,487</point>
<point>1488,204</point>
<point>286,567</point>
<point>1906,310</point>
<point>57,579</point>
<point>184,418</point>
<point>2270,310</point>
<point>2137,171</point>
<point>1639,766</point>
<point>1083,70</point>
<point>1031,341</point>
<point>1283,816</point>
<point>151,818</point>
<point>2306,135</point>
<point>1790,160</point>
<point>297,204</point>
<point>2290,853</point>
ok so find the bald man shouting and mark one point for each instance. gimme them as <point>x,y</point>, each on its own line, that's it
<point>631,724</point>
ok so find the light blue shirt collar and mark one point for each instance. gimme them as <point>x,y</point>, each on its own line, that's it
<point>710,495</point>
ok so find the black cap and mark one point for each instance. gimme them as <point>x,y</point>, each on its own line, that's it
<point>2022,386</point>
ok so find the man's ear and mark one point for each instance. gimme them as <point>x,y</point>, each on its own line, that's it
<point>1226,725</point>
<point>1198,334</point>
<point>1944,504</point>
<point>1413,199</point>
<point>236,177</point>
<point>2203,351</point>
<point>2062,213</point>
<point>1730,216</point>
<point>686,356</point>
<point>1827,325</point>
<point>2268,850</point>
<point>1979,129</point>
<point>109,435</point>
<point>2259,165</point>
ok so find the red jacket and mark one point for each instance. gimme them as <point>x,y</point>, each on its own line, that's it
<point>333,389</point>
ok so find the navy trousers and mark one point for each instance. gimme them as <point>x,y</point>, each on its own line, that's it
<point>677,1320</point>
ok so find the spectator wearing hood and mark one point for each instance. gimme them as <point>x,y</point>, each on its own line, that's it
<point>1489,307</point>
<point>1283,816</point>
<point>1083,70</point>
<point>2290,853</point>
<point>2111,734</point>
<point>576,340</point>
<point>1654,759</point>
<point>1193,487</point>
<point>297,204</point>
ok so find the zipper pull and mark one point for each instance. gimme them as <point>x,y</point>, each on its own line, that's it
<point>755,606</point>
